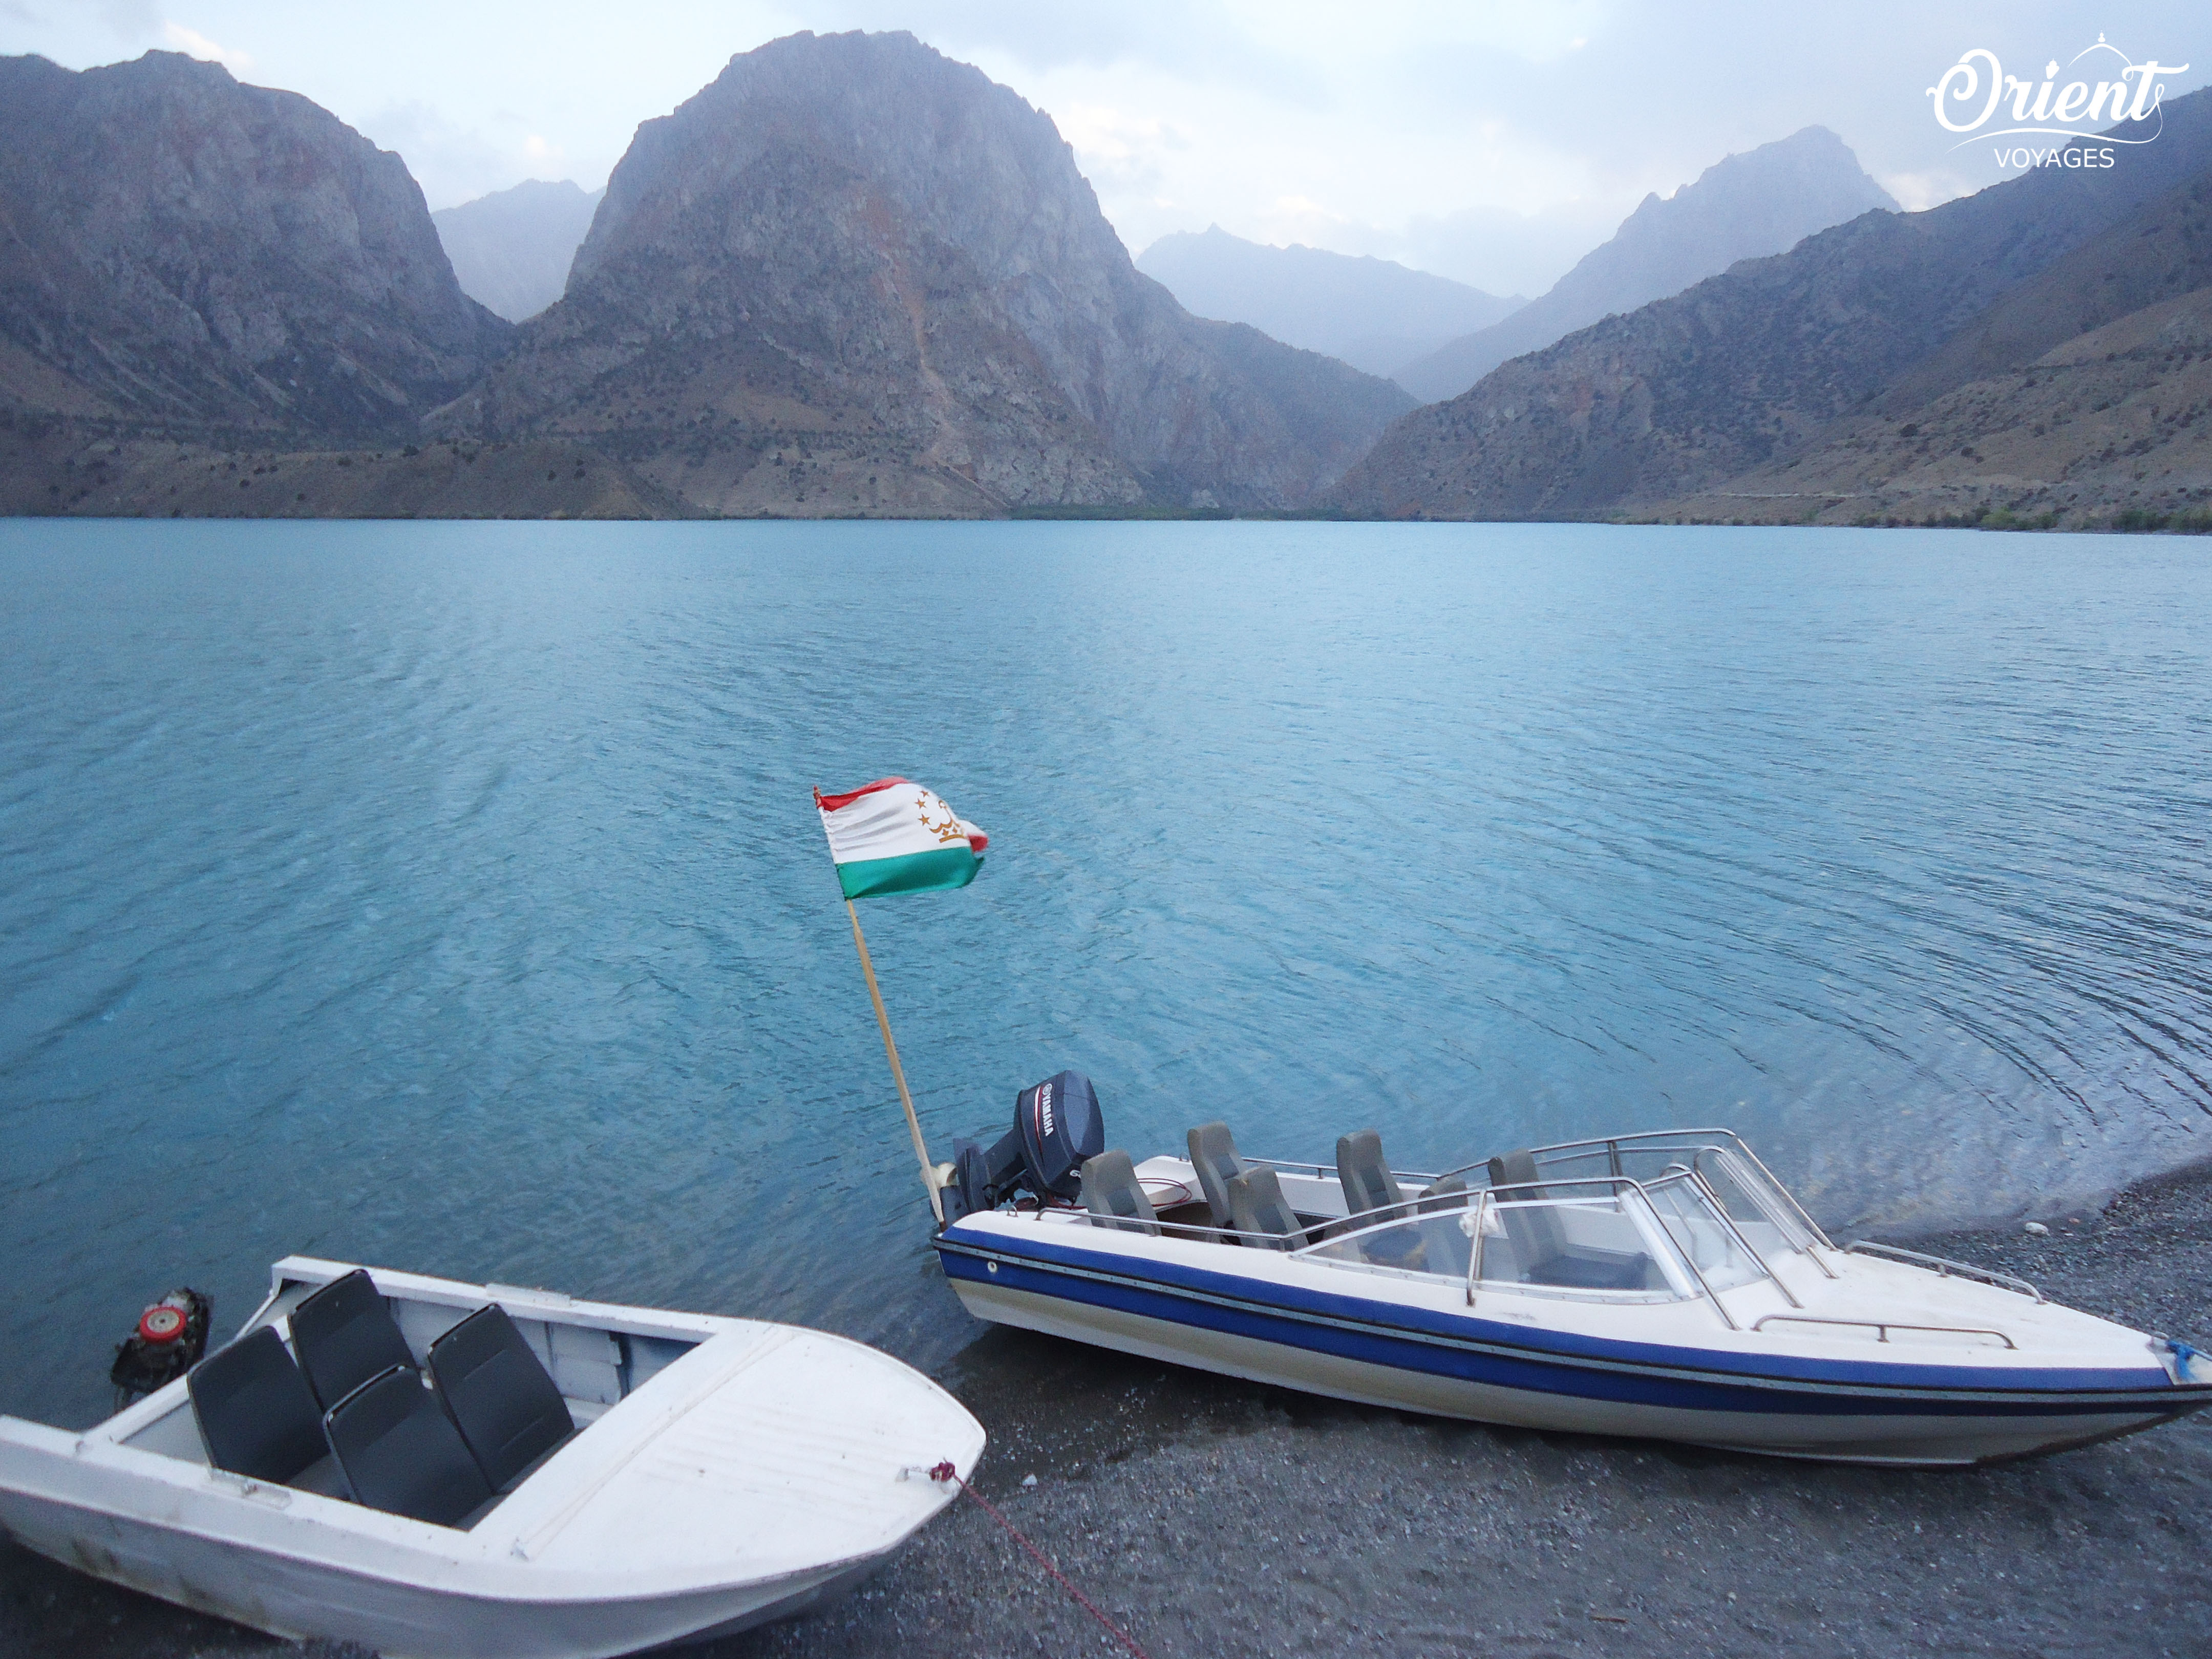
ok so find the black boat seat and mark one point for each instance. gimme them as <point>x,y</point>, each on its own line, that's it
<point>344,1333</point>
<point>1115,1197</point>
<point>501,1397</point>
<point>1213,1155</point>
<point>1541,1248</point>
<point>256,1416</point>
<point>1367,1181</point>
<point>401,1454</point>
<point>1257,1207</point>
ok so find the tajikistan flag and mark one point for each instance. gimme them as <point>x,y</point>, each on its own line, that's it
<point>893,836</point>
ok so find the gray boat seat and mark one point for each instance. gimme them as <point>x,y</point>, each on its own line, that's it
<point>1367,1180</point>
<point>1213,1155</point>
<point>501,1397</point>
<point>401,1454</point>
<point>1541,1248</point>
<point>1115,1197</point>
<point>1256,1206</point>
<point>258,1417</point>
<point>344,1335</point>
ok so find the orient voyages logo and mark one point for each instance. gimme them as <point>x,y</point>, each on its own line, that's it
<point>2131,92</point>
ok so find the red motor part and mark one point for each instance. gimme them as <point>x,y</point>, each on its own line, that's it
<point>167,1341</point>
<point>163,1322</point>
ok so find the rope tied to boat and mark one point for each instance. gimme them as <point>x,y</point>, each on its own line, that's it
<point>944,1471</point>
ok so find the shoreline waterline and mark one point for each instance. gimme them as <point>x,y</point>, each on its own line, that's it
<point>1347,1529</point>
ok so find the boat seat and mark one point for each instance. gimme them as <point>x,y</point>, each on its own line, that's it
<point>401,1454</point>
<point>1115,1197</point>
<point>1256,1206</point>
<point>1367,1181</point>
<point>256,1414</point>
<point>1213,1155</point>
<point>344,1335</point>
<point>1541,1248</point>
<point>502,1399</point>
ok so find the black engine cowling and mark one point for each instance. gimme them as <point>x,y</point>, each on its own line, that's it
<point>166,1342</point>
<point>1057,1126</point>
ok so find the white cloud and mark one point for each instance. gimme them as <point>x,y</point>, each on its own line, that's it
<point>454,161</point>
<point>1916,193</point>
<point>1491,140</point>
<point>195,44</point>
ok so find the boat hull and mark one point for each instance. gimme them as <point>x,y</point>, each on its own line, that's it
<point>190,1558</point>
<point>1236,1333</point>
<point>724,1472</point>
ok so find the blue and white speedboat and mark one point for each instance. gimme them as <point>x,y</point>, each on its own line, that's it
<point>1664,1285</point>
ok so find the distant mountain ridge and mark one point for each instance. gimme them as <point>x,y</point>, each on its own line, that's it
<point>1372,313</point>
<point>852,275</point>
<point>1744,371</point>
<point>1744,206</point>
<point>512,249</point>
<point>181,249</point>
<point>2085,387</point>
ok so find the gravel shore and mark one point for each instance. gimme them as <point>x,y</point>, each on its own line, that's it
<point>1223,1519</point>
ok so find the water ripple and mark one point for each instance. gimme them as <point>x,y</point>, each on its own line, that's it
<point>450,896</point>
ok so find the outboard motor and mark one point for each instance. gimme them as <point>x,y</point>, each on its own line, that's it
<point>167,1341</point>
<point>1056,1128</point>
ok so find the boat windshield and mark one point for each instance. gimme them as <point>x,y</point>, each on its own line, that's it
<point>1599,1239</point>
<point>1765,1214</point>
<point>1697,1224</point>
<point>1692,1221</point>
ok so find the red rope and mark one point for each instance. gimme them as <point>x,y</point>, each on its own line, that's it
<point>944,1471</point>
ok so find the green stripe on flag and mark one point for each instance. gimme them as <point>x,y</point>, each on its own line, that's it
<point>936,872</point>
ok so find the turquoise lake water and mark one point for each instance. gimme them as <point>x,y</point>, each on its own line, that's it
<point>450,897</point>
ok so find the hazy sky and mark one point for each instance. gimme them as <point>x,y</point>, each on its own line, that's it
<point>1492,142</point>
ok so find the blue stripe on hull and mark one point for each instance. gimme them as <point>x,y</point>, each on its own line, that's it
<point>1487,1352</point>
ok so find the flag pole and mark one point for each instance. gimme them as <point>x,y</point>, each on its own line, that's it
<point>899,1072</point>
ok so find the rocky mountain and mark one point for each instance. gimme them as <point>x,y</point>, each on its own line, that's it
<point>851,275</point>
<point>1756,367</point>
<point>178,250</point>
<point>1372,313</point>
<point>2087,389</point>
<point>1743,207</point>
<point>512,250</point>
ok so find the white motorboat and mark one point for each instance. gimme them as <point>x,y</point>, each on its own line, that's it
<point>433,1468</point>
<point>1664,1285</point>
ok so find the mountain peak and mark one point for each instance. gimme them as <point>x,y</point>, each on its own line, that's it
<point>1372,313</point>
<point>853,274</point>
<point>512,249</point>
<point>1746,205</point>
<point>157,259</point>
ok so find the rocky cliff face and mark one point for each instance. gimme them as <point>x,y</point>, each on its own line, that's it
<point>1748,368</point>
<point>851,275</point>
<point>1742,207</point>
<point>180,250</point>
<point>2083,392</point>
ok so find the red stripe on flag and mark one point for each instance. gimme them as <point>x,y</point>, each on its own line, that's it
<point>978,841</point>
<point>832,803</point>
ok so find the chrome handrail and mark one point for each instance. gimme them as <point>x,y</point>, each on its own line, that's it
<point>1945,1266</point>
<point>1484,1205</point>
<point>1885,1327</point>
